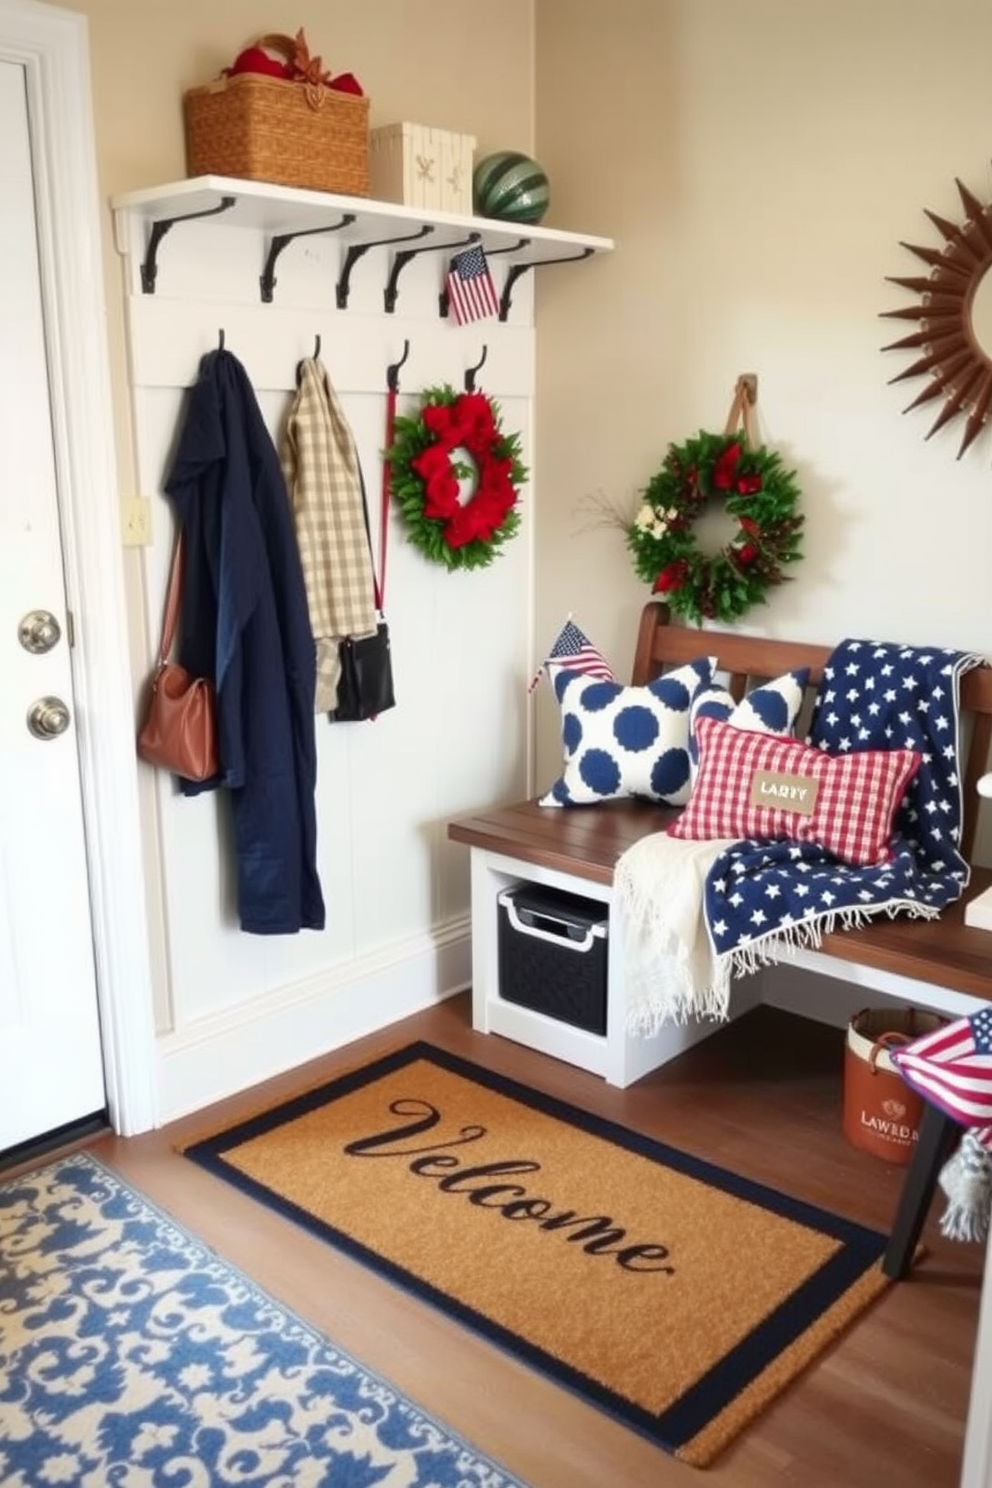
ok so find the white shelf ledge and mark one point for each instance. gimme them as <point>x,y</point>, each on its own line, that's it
<point>284,209</point>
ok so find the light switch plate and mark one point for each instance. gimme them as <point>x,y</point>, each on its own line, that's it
<point>136,521</point>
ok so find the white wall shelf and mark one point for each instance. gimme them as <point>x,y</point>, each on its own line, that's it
<point>283,213</point>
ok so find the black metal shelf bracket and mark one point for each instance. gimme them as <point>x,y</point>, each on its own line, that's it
<point>267,279</point>
<point>391,293</point>
<point>149,269</point>
<point>444,298</point>
<point>534,263</point>
<point>356,251</point>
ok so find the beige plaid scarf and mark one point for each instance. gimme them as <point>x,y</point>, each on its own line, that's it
<point>320,463</point>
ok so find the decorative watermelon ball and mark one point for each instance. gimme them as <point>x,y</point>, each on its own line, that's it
<point>511,187</point>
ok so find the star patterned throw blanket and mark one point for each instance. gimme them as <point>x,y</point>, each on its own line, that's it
<point>761,899</point>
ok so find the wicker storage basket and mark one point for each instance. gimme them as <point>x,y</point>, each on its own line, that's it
<point>262,128</point>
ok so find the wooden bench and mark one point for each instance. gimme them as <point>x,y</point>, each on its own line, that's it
<point>941,964</point>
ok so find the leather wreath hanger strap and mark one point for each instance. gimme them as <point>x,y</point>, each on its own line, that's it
<point>741,408</point>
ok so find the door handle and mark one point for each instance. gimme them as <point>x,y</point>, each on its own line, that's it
<point>39,631</point>
<point>48,717</point>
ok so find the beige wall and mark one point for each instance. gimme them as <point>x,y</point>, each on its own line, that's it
<point>759,165</point>
<point>416,59</point>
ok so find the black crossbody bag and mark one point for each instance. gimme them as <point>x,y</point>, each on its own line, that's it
<point>365,687</point>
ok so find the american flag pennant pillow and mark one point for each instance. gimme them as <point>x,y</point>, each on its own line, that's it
<point>471,292</point>
<point>952,1068</point>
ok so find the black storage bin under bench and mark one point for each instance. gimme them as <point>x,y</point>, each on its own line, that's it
<point>552,954</point>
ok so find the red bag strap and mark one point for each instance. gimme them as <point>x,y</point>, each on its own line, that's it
<point>379,578</point>
<point>173,597</point>
<point>384,511</point>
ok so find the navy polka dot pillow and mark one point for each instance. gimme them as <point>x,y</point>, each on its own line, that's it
<point>771,708</point>
<point>626,741</point>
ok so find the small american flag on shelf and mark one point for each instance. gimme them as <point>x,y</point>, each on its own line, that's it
<point>471,292</point>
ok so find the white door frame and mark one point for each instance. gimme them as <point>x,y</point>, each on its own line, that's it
<point>976,1470</point>
<point>53,48</point>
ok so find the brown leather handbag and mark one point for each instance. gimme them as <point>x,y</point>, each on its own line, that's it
<point>180,728</point>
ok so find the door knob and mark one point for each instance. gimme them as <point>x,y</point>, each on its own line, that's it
<point>48,717</point>
<point>39,631</point>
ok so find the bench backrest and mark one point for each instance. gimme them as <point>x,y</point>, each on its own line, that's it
<point>747,660</point>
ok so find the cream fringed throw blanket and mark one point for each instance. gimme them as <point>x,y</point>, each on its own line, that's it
<point>671,970</point>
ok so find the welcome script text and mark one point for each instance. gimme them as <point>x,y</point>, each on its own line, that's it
<point>484,1187</point>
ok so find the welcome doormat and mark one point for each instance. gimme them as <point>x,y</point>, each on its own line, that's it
<point>677,1296</point>
<point>130,1353</point>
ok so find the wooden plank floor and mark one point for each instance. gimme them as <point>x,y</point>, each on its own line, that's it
<point>886,1406</point>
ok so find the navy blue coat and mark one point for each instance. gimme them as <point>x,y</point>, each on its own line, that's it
<point>246,626</point>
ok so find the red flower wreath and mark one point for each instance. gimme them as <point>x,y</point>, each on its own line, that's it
<point>427,475</point>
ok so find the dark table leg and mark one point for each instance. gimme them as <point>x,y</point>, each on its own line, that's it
<point>937,1134</point>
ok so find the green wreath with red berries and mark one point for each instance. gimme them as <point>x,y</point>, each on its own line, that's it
<point>755,489</point>
<point>455,477</point>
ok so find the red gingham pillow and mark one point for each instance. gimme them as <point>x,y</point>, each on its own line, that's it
<point>750,785</point>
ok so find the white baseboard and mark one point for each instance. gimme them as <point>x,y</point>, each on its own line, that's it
<point>256,1040</point>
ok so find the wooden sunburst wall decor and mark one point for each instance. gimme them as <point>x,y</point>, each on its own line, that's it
<point>957,366</point>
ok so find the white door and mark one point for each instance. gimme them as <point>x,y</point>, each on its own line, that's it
<point>51,1068</point>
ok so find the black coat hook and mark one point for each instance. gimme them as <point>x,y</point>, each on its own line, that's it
<point>316,354</point>
<point>393,370</point>
<point>471,371</point>
<point>220,339</point>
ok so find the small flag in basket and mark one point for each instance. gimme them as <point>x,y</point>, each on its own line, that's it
<point>471,292</point>
<point>574,650</point>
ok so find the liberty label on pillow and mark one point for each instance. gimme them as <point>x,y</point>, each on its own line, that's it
<point>784,792</point>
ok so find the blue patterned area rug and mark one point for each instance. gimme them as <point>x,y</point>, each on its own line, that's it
<point>131,1354</point>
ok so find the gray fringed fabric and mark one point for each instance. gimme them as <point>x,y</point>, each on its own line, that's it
<point>966,1179</point>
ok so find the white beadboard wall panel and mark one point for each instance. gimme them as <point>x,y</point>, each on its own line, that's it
<point>244,1007</point>
<point>170,336</point>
